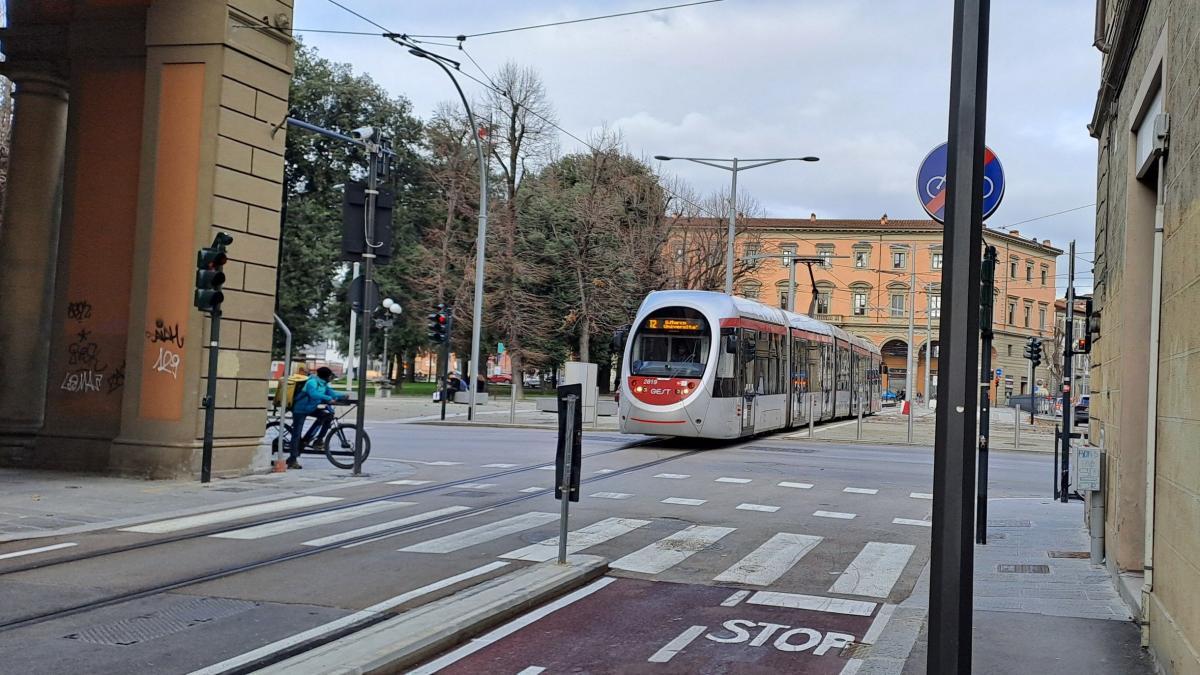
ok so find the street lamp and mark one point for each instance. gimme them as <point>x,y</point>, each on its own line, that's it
<point>733,169</point>
<point>392,308</point>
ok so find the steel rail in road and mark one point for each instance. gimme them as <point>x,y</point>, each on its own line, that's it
<point>315,550</point>
<point>199,534</point>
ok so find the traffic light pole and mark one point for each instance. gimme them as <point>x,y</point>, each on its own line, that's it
<point>210,395</point>
<point>986,288</point>
<point>1068,353</point>
<point>366,309</point>
<point>1032,392</point>
<point>444,360</point>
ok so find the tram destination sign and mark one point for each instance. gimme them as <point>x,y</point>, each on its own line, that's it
<point>674,324</point>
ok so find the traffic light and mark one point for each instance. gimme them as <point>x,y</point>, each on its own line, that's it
<point>1035,349</point>
<point>439,324</point>
<point>1084,344</point>
<point>209,277</point>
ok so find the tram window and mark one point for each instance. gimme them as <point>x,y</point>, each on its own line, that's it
<point>665,353</point>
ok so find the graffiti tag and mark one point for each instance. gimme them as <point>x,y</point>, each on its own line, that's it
<point>83,381</point>
<point>165,333</point>
<point>79,310</point>
<point>168,362</point>
<point>117,379</point>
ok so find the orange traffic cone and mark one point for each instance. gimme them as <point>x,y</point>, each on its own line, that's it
<point>904,408</point>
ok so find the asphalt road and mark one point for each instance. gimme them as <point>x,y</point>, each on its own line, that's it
<point>758,556</point>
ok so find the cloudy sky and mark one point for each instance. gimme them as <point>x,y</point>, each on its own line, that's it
<point>863,84</point>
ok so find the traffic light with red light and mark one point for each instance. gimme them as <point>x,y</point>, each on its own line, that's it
<point>1084,344</point>
<point>439,324</point>
<point>209,275</point>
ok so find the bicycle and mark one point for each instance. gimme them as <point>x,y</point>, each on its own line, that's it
<point>338,440</point>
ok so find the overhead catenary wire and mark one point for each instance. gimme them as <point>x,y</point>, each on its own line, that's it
<point>464,36</point>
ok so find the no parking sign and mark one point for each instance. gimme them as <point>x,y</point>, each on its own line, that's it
<point>931,183</point>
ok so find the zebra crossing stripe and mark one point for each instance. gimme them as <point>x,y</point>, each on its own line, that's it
<point>498,466</point>
<point>874,570</point>
<point>483,533</point>
<point>834,514</point>
<point>765,564</point>
<point>584,537</point>
<point>611,495</point>
<point>409,481</point>
<point>380,527</point>
<point>920,495</point>
<point>683,501</point>
<point>669,551</point>
<point>910,521</point>
<point>798,486</point>
<point>813,603</point>
<point>757,507</point>
<point>226,515</point>
<point>861,491</point>
<point>314,520</point>
<point>724,479</point>
<point>673,476</point>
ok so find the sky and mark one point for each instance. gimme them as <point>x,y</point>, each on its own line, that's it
<point>862,84</point>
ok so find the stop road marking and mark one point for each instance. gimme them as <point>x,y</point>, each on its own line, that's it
<point>793,640</point>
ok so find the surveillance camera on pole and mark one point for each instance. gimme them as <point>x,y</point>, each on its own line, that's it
<point>363,134</point>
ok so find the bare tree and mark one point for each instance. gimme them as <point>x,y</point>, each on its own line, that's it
<point>698,239</point>
<point>523,134</point>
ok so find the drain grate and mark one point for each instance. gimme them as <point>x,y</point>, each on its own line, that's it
<point>161,623</point>
<point>468,493</point>
<point>1009,523</point>
<point>776,448</point>
<point>1068,554</point>
<point>1022,569</point>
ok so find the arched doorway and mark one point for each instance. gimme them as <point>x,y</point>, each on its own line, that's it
<point>895,357</point>
<point>926,377</point>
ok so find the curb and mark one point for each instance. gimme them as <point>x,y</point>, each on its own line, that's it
<point>418,634</point>
<point>506,425</point>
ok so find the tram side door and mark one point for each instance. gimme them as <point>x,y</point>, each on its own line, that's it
<point>749,352</point>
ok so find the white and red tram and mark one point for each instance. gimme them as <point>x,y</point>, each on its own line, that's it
<point>710,365</point>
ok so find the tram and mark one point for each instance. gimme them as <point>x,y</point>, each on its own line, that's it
<point>709,365</point>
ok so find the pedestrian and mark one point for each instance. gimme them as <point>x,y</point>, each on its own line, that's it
<point>309,402</point>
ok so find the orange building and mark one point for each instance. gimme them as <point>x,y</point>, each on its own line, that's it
<point>877,271</point>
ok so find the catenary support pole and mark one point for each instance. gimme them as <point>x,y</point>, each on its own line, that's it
<point>952,550</point>
<point>354,270</point>
<point>367,308</point>
<point>910,366</point>
<point>729,244</point>
<point>928,340</point>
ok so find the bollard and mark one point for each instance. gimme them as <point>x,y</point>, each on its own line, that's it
<point>812,417</point>
<point>566,481</point>
<point>860,410</point>
<point>1017,428</point>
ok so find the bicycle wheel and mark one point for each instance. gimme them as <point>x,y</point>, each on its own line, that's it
<point>339,446</point>
<point>279,436</point>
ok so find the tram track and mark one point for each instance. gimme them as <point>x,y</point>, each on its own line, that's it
<point>241,568</point>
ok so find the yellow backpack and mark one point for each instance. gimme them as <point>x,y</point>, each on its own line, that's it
<point>286,391</point>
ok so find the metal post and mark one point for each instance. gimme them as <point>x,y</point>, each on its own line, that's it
<point>210,396</point>
<point>732,230</point>
<point>568,444</point>
<point>791,283</point>
<point>812,417</point>
<point>1017,428</point>
<point>287,372</point>
<point>1032,392</point>
<point>952,553</point>
<point>366,309</point>
<point>1057,440</point>
<point>986,289</point>
<point>444,361</point>
<point>1068,357</point>
<point>928,341</point>
<point>860,412</point>
<point>353,331</point>
<point>912,312</point>
<point>512,395</point>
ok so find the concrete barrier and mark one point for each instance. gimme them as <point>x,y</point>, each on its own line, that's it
<point>465,397</point>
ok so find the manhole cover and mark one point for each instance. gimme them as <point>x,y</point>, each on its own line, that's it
<point>1069,554</point>
<point>1022,569</point>
<point>468,493</point>
<point>1009,523</point>
<point>163,622</point>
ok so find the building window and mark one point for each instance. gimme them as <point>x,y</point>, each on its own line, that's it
<point>1028,314</point>
<point>935,306</point>
<point>1012,269</point>
<point>935,261</point>
<point>823,301</point>
<point>1044,272</point>
<point>749,252</point>
<point>860,302</point>
<point>862,259</point>
<point>1029,272</point>
<point>679,254</point>
<point>899,260</point>
<point>897,304</point>
<point>1009,349</point>
<point>751,289</point>
<point>825,253</point>
<point>1012,313</point>
<point>783,299</point>
<point>788,251</point>
<point>1041,318</point>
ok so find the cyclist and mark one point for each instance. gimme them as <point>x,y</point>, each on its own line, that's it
<point>309,402</point>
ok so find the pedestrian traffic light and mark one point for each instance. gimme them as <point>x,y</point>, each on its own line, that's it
<point>1084,344</point>
<point>209,275</point>
<point>439,324</point>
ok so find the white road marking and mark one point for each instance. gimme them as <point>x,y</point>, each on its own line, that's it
<point>677,645</point>
<point>345,621</point>
<point>532,670</point>
<point>314,520</point>
<point>437,523</point>
<point>578,540</point>
<point>684,501</point>
<point>880,622</point>
<point>733,600</point>
<point>605,470</point>
<point>380,527</point>
<point>675,476</point>
<point>31,551</point>
<point>798,486</point>
<point>443,463</point>
<point>920,495</point>
<point>765,564</point>
<point>834,514</point>
<point>910,521</point>
<point>611,495</point>
<point>874,570</point>
<point>509,628</point>
<point>725,479</point>
<point>534,489</point>
<point>475,486</point>
<point>757,507</point>
<point>546,468</point>
<point>669,551</point>
<point>498,466</point>
<point>212,517</point>
<point>861,491</point>
<point>483,533</point>
<point>824,427</point>
<point>814,603</point>
<point>409,481</point>
<point>851,667</point>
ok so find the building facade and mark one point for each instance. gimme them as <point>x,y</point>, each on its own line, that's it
<point>876,275</point>
<point>1145,413</point>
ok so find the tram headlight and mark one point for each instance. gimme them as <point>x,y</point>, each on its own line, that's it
<point>639,389</point>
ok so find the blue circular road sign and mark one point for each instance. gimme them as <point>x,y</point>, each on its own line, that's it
<point>931,183</point>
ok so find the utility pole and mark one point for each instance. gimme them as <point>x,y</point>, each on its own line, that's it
<point>910,366</point>
<point>1068,356</point>
<point>374,147</point>
<point>987,286</point>
<point>729,244</point>
<point>952,552</point>
<point>928,338</point>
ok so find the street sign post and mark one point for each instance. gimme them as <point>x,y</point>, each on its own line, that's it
<point>568,457</point>
<point>931,183</point>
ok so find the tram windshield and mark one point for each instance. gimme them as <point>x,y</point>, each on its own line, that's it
<point>671,343</point>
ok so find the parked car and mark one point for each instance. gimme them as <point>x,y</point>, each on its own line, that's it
<point>502,378</point>
<point>532,382</point>
<point>889,398</point>
<point>1081,410</point>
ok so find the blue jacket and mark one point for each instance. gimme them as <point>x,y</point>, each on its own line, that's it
<point>315,393</point>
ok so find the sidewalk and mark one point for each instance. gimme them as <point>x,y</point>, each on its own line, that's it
<point>891,427</point>
<point>1039,607</point>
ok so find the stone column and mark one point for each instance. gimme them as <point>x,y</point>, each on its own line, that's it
<point>29,250</point>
